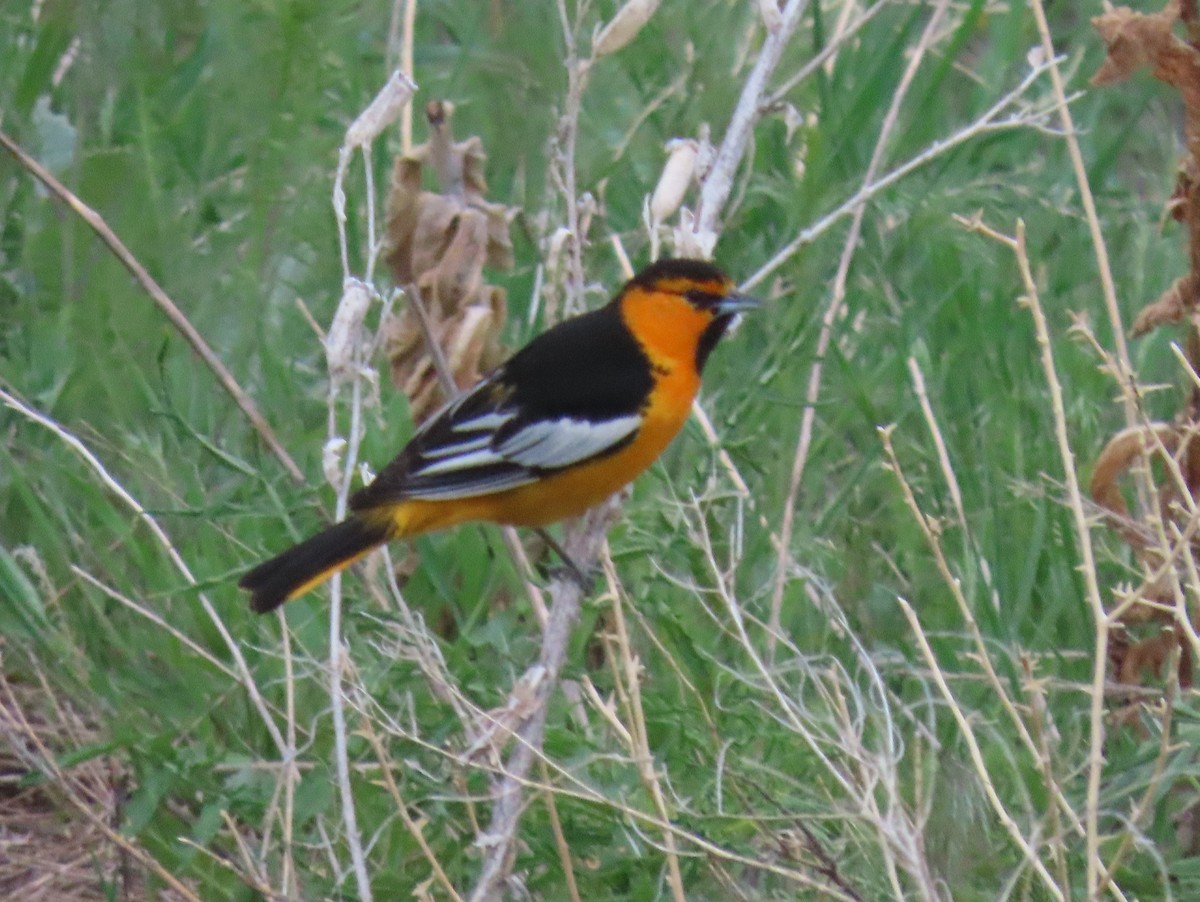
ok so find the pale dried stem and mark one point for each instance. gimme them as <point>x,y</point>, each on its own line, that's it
<point>1107,285</point>
<point>96,222</point>
<point>583,541</point>
<point>572,787</point>
<point>337,649</point>
<point>1038,712</point>
<point>406,63</point>
<point>564,168</point>
<point>380,113</point>
<point>977,760</point>
<point>251,871</point>
<point>1183,621</point>
<point>583,538</point>
<point>289,879</point>
<point>1165,748</point>
<point>981,653</point>
<point>833,313</point>
<point>864,776</point>
<point>640,745</point>
<point>415,830</point>
<point>560,840</point>
<point>719,180</point>
<point>939,443</point>
<point>143,611</point>
<point>1087,568</point>
<point>160,535</point>
<point>933,541</point>
<point>251,879</point>
<point>989,122</point>
<point>422,648</point>
<point>828,53</point>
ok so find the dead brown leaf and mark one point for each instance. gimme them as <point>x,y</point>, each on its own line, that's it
<point>1170,307</point>
<point>1134,40</point>
<point>438,243</point>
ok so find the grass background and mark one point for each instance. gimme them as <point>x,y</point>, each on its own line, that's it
<point>206,134</point>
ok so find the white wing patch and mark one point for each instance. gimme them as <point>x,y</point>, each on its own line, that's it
<point>490,421</point>
<point>551,444</point>
<point>471,444</point>
<point>472,485</point>
<point>469,461</point>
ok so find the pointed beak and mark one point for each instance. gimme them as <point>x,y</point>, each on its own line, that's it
<point>737,303</point>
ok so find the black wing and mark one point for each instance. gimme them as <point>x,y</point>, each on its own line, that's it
<point>572,394</point>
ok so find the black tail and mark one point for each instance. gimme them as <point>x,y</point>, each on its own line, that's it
<point>313,561</point>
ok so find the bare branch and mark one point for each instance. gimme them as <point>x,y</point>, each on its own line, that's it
<point>584,540</point>
<point>719,181</point>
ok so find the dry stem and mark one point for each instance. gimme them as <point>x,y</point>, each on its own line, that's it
<point>833,312</point>
<point>160,298</point>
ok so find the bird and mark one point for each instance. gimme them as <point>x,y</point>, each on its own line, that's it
<point>567,421</point>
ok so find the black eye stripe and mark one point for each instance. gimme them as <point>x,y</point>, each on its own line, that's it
<point>703,299</point>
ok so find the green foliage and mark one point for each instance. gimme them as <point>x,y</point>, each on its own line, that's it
<point>206,136</point>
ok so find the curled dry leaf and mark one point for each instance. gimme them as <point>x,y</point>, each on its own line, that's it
<point>1137,662</point>
<point>1137,39</point>
<point>623,27</point>
<point>1124,450</point>
<point>438,244</point>
<point>1170,307</point>
<point>345,335</point>
<point>1134,40</point>
<point>675,180</point>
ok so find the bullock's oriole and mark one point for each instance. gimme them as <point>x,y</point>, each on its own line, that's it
<point>567,421</point>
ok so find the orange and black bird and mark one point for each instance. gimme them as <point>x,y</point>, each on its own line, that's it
<point>567,421</point>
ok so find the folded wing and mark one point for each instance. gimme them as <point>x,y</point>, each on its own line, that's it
<point>485,442</point>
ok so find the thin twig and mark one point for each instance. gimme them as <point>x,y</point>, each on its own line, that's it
<point>160,535</point>
<point>719,180</point>
<point>560,840</point>
<point>583,541</point>
<point>1083,538</point>
<point>833,313</point>
<point>976,754</point>
<point>989,122</point>
<point>1103,267</point>
<point>415,830</point>
<point>160,298</point>
<point>140,609</point>
<point>387,105</point>
<point>827,53</point>
<point>289,879</point>
<point>639,742</point>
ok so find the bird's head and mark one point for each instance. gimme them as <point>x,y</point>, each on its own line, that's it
<point>682,307</point>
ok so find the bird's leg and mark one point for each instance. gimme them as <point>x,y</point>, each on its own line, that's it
<point>577,573</point>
